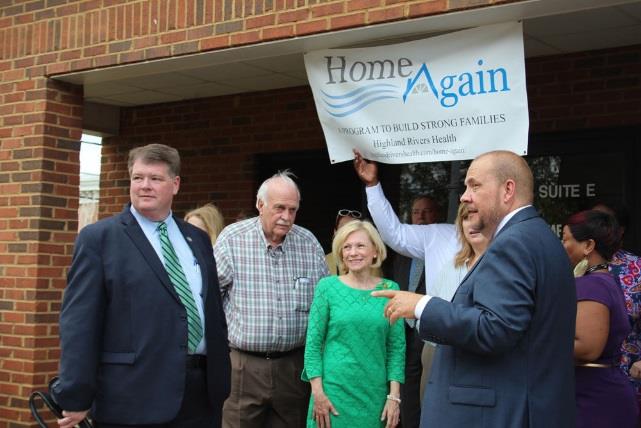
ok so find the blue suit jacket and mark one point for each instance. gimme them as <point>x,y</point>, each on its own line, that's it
<point>507,337</point>
<point>123,329</point>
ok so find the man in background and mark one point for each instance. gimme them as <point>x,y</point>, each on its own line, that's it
<point>410,276</point>
<point>424,250</point>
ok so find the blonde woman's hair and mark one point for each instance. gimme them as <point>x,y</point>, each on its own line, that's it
<point>211,217</point>
<point>466,252</point>
<point>348,229</point>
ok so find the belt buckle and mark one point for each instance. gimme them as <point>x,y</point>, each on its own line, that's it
<point>268,356</point>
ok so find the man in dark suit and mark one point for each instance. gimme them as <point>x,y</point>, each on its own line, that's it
<point>142,331</point>
<point>409,274</point>
<point>505,357</point>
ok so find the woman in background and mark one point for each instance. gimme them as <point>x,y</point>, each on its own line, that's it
<point>207,218</point>
<point>354,358</point>
<point>604,396</point>
<point>473,245</point>
<point>626,269</point>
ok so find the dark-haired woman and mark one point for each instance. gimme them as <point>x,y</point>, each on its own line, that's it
<point>604,396</point>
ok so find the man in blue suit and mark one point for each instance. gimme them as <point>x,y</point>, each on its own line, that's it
<point>505,354</point>
<point>142,331</point>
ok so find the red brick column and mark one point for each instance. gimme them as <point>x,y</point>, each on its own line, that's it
<point>39,174</point>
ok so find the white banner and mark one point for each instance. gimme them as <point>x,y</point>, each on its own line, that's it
<point>450,97</point>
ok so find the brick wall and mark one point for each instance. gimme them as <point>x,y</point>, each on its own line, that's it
<point>70,35</point>
<point>217,138</point>
<point>39,173</point>
<point>597,89</point>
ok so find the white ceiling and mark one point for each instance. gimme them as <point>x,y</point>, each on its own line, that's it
<point>551,27</point>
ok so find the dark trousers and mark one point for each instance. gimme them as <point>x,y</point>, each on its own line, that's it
<point>266,393</point>
<point>195,410</point>
<point>411,389</point>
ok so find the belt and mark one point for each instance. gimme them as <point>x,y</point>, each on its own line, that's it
<point>595,365</point>
<point>196,361</point>
<point>270,355</point>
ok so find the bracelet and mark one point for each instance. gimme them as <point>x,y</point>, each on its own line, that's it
<point>393,398</point>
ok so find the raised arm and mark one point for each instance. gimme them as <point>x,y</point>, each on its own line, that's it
<point>406,239</point>
<point>366,170</point>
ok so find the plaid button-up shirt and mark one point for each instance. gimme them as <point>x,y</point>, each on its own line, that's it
<point>267,291</point>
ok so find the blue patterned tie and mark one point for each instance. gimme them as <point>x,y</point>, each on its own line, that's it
<point>179,281</point>
<point>416,270</point>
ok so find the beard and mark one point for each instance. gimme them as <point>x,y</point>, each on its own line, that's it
<point>487,222</point>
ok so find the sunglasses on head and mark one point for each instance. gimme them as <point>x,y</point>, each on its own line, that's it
<point>350,213</point>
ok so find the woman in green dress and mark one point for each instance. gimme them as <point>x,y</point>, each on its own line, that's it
<point>354,359</point>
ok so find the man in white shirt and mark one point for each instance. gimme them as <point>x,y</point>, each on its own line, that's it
<point>422,246</point>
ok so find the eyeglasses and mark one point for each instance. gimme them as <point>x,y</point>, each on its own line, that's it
<point>346,213</point>
<point>350,213</point>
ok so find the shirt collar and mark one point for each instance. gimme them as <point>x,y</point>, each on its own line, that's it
<point>266,244</point>
<point>507,218</point>
<point>145,222</point>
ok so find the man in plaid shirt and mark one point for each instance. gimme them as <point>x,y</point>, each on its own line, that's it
<point>267,269</point>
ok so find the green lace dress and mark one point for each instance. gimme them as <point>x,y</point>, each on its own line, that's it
<point>352,346</point>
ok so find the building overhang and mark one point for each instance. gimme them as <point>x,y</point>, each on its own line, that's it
<point>550,27</point>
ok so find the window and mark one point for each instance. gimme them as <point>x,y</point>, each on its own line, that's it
<point>90,149</point>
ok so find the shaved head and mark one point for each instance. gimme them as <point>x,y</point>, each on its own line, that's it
<point>510,166</point>
<point>496,184</point>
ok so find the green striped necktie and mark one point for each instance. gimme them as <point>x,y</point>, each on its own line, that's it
<point>179,281</point>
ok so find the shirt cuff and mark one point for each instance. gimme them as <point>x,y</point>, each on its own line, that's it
<point>374,190</point>
<point>420,306</point>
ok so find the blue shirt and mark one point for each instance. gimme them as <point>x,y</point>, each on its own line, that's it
<point>187,259</point>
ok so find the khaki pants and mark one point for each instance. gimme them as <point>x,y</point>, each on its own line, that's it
<point>266,393</point>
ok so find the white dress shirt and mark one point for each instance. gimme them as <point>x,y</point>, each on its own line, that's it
<point>437,244</point>
<point>188,261</point>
